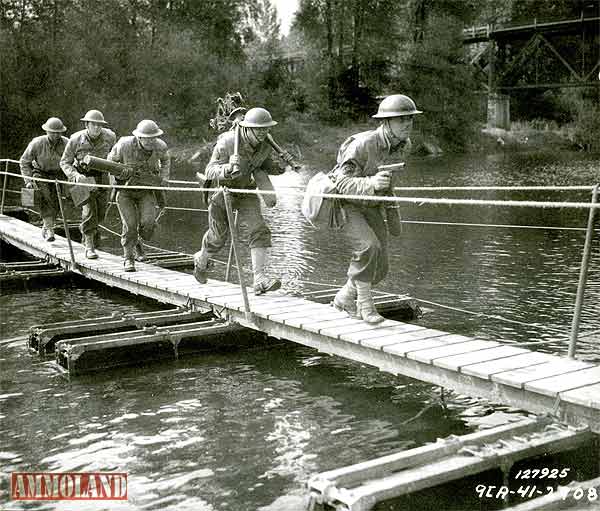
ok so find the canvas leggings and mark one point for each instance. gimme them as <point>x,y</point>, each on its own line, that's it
<point>366,229</point>
<point>249,216</point>
<point>138,212</point>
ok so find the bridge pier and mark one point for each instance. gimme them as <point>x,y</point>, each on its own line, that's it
<point>498,111</point>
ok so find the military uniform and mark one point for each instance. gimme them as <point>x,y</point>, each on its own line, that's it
<point>80,145</point>
<point>248,206</point>
<point>138,207</point>
<point>41,159</point>
<point>357,159</point>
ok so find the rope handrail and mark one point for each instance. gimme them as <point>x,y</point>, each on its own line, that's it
<point>496,188</point>
<point>565,188</point>
<point>369,198</point>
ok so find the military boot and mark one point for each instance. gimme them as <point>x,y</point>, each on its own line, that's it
<point>345,298</point>
<point>365,306</point>
<point>262,283</point>
<point>129,265</point>
<point>201,266</point>
<point>140,255</point>
<point>48,229</point>
<point>90,249</point>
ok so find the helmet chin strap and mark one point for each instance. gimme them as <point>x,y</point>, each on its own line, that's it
<point>393,140</point>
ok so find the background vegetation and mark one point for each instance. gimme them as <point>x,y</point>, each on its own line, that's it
<point>170,59</point>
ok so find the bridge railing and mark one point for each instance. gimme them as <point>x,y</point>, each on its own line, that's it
<point>296,191</point>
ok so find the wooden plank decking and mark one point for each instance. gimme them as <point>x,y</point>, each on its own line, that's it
<point>507,374</point>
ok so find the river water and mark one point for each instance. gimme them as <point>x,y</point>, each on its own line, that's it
<point>244,430</point>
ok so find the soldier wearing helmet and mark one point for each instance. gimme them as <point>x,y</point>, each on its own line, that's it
<point>148,155</point>
<point>95,140</point>
<point>226,168</point>
<point>41,159</point>
<point>357,173</point>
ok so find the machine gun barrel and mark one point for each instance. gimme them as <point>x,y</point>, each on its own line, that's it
<point>283,154</point>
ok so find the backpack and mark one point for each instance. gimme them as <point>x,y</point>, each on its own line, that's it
<point>321,211</point>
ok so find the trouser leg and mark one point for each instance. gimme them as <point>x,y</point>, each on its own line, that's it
<point>48,204</point>
<point>128,210</point>
<point>250,215</point>
<point>218,229</point>
<point>365,227</point>
<point>213,240</point>
<point>147,211</point>
<point>259,241</point>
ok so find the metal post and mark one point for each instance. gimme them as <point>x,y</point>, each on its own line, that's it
<point>65,225</point>
<point>583,273</point>
<point>4,188</point>
<point>232,230</point>
<point>230,257</point>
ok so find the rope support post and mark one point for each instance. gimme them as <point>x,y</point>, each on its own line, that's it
<point>230,256</point>
<point>583,273</point>
<point>65,225</point>
<point>234,244</point>
<point>4,188</point>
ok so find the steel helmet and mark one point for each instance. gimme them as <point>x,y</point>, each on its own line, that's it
<point>257,118</point>
<point>240,110</point>
<point>94,116</point>
<point>54,125</point>
<point>396,105</point>
<point>147,129</point>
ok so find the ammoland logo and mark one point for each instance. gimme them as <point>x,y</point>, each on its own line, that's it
<point>68,486</point>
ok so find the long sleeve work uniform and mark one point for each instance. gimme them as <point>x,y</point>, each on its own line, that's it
<point>138,207</point>
<point>80,145</point>
<point>42,159</point>
<point>357,160</point>
<point>253,160</point>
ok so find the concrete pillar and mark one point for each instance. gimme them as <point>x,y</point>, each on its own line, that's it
<point>498,111</point>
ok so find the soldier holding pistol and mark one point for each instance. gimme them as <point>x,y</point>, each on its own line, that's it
<point>41,159</point>
<point>148,157</point>
<point>95,140</point>
<point>357,173</point>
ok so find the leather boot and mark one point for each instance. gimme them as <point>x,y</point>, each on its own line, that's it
<point>345,298</point>
<point>129,265</point>
<point>48,229</point>
<point>365,307</point>
<point>201,266</point>
<point>140,256</point>
<point>90,250</point>
<point>262,283</point>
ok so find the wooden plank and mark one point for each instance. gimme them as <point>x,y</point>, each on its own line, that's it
<point>588,396</point>
<point>368,331</point>
<point>398,328</point>
<point>428,356</point>
<point>555,384</point>
<point>518,377</point>
<point>285,309</point>
<point>379,343</point>
<point>403,348</point>
<point>318,326</point>
<point>309,317</point>
<point>456,362</point>
<point>303,311</point>
<point>487,369</point>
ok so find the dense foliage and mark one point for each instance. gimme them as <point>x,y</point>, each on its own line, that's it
<point>170,59</point>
